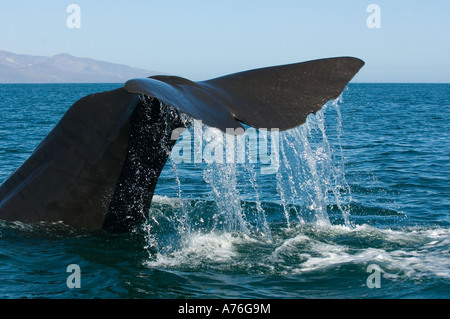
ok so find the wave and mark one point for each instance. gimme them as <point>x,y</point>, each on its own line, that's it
<point>401,254</point>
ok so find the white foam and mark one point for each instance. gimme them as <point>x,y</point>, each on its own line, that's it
<point>401,254</point>
<point>199,249</point>
<point>165,200</point>
<point>421,252</point>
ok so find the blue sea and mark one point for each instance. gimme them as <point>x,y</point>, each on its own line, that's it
<point>358,206</point>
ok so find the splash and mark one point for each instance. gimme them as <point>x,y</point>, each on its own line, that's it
<point>305,178</point>
<point>312,170</point>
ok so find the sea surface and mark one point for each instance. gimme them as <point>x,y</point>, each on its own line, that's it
<point>355,203</point>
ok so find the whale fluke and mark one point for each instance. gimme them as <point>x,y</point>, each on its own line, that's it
<point>275,97</point>
<point>98,167</point>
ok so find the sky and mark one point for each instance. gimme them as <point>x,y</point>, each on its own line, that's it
<point>200,40</point>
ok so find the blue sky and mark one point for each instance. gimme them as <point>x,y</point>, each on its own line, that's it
<point>204,39</point>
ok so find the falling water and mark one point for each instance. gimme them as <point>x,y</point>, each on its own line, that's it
<point>229,215</point>
<point>309,179</point>
<point>312,170</point>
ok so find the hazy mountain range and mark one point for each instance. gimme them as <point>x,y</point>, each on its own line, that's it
<point>63,68</point>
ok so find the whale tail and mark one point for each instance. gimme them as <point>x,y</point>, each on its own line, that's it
<point>99,166</point>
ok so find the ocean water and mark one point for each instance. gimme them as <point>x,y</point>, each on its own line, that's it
<point>355,204</point>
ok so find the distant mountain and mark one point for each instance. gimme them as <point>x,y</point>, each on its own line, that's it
<point>63,68</point>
